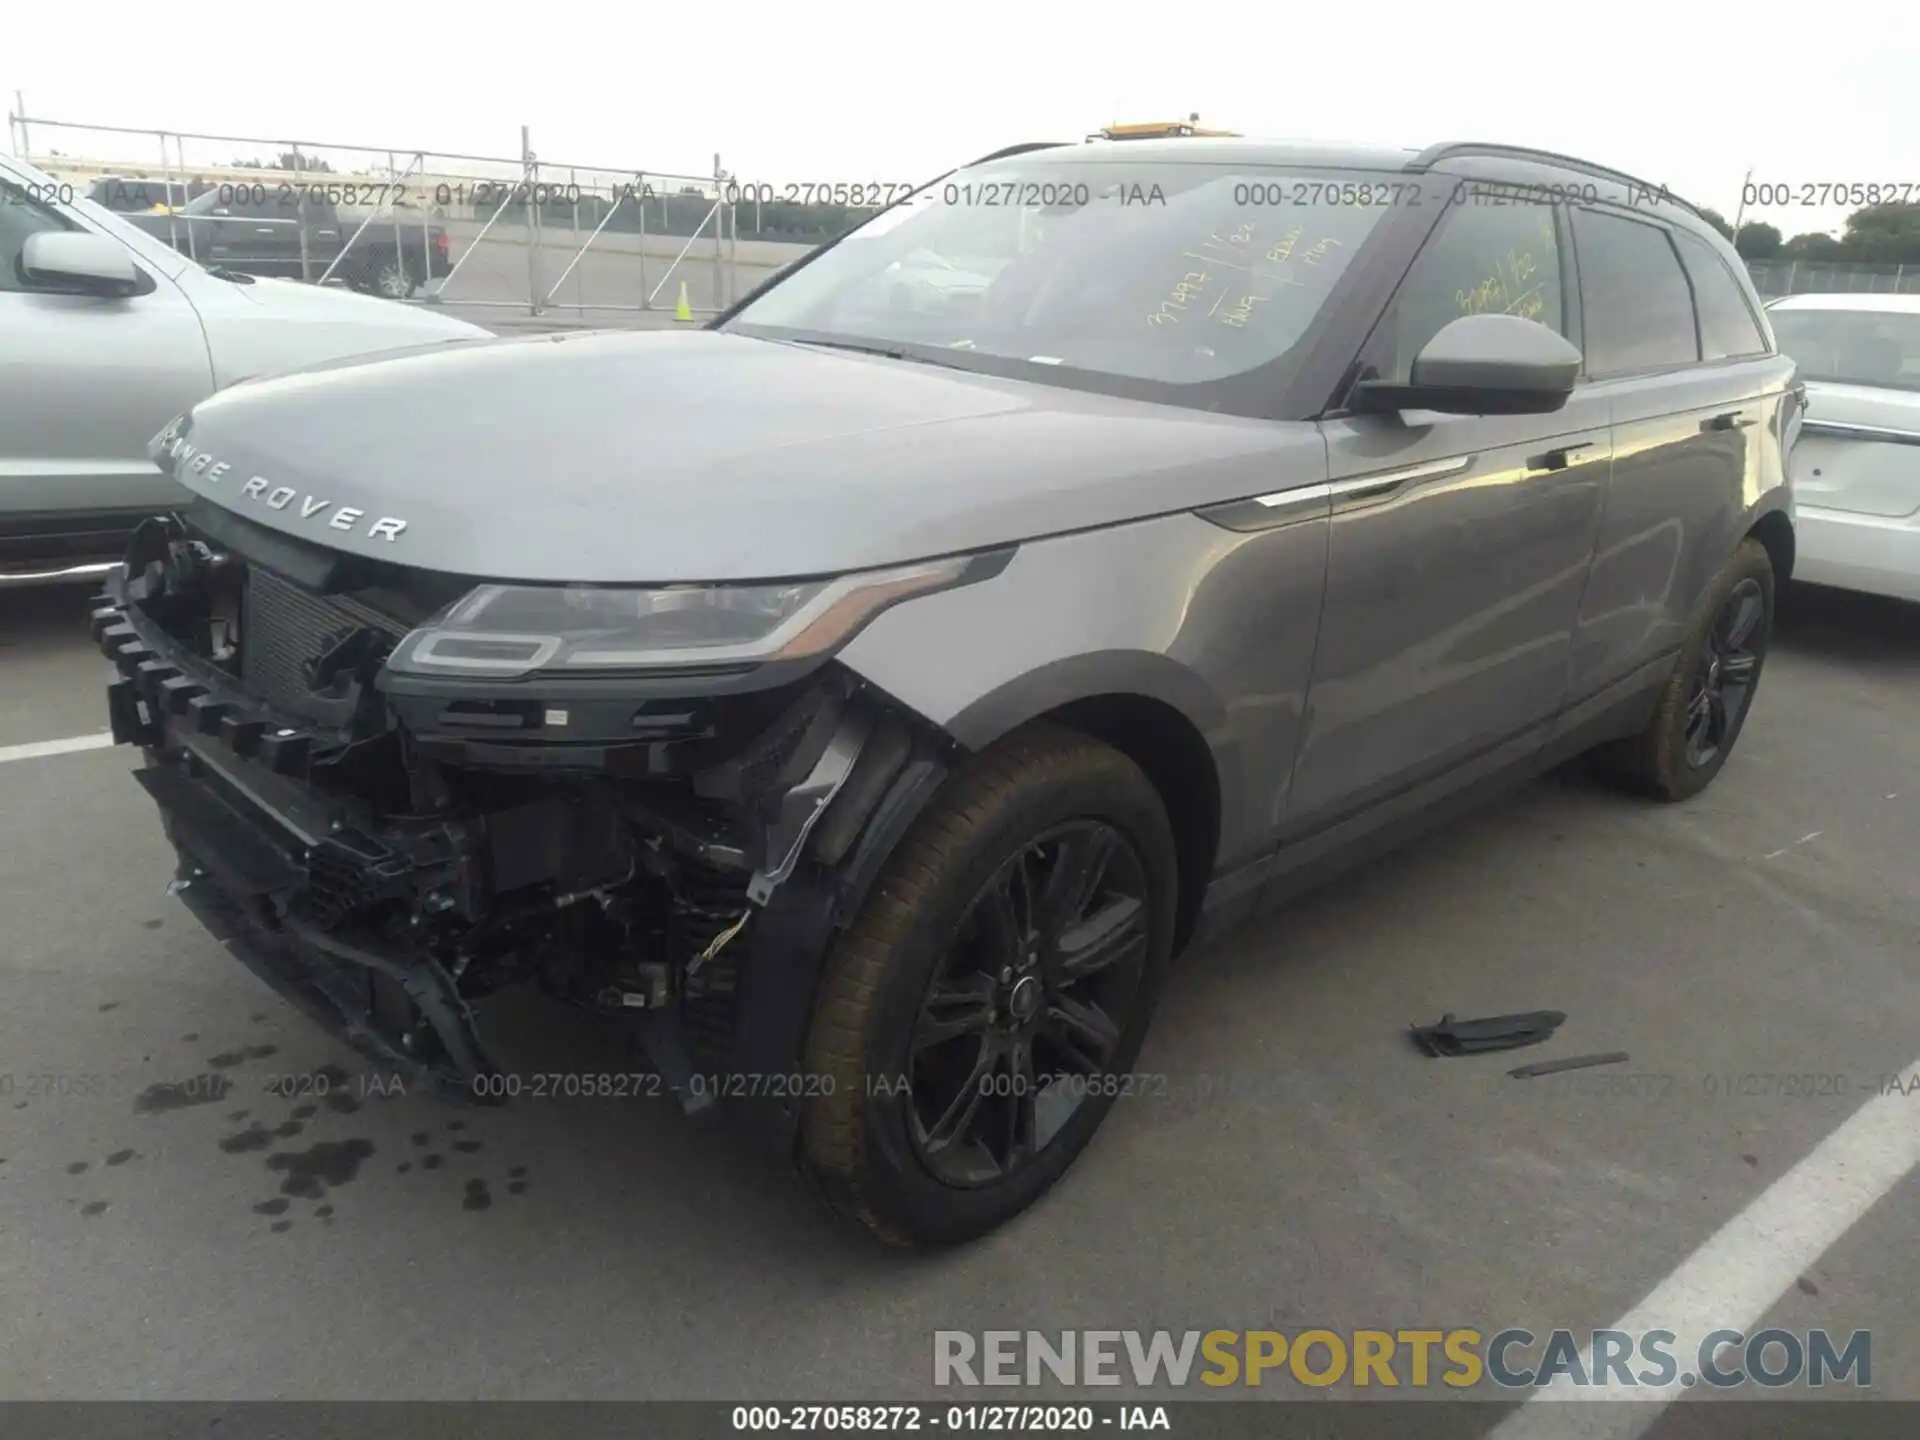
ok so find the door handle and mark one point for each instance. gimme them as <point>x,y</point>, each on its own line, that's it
<point>1732,420</point>
<point>1557,458</point>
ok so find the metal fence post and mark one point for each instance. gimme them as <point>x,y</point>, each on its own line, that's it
<point>529,171</point>
<point>300,213</point>
<point>166,188</point>
<point>646,301</point>
<point>399,246</point>
<point>1793,268</point>
<point>719,227</point>
<point>573,191</point>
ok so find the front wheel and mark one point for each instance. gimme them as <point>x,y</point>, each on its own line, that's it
<point>981,1015</point>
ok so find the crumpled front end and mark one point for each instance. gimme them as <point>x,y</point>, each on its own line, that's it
<point>389,851</point>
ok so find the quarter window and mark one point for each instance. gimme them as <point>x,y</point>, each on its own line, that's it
<point>1485,259</point>
<point>1727,326</point>
<point>1635,301</point>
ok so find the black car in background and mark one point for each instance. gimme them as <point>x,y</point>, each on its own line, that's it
<point>298,230</point>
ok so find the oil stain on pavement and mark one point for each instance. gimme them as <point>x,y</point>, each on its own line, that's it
<point>322,1168</point>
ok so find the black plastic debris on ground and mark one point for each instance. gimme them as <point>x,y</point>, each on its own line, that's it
<point>1572,1062</point>
<point>1454,1036</point>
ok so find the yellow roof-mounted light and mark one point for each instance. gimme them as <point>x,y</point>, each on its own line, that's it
<point>1158,130</point>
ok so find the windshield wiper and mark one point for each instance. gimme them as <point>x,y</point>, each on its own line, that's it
<point>886,351</point>
<point>220,272</point>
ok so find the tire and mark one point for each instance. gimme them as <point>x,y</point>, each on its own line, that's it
<point>871,1141</point>
<point>387,275</point>
<point>1660,761</point>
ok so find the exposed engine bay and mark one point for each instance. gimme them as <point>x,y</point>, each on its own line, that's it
<point>387,849</point>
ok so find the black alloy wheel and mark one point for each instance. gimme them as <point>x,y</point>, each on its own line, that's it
<point>1025,1013</point>
<point>1704,704</point>
<point>1723,682</point>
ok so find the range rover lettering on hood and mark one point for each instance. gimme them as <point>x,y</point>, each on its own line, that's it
<point>213,470</point>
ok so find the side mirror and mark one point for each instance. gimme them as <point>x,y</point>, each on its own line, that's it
<point>80,262</point>
<point>1483,365</point>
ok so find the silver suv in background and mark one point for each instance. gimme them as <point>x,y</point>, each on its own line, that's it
<point>878,688</point>
<point>1856,469</point>
<point>106,334</point>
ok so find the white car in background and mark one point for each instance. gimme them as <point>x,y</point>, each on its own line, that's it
<point>1856,468</point>
<point>106,334</point>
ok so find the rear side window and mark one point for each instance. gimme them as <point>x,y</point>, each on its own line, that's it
<point>1483,260</point>
<point>1880,348</point>
<point>1727,326</point>
<point>1636,305</point>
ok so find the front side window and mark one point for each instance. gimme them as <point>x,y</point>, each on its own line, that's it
<point>1635,301</point>
<point>1485,259</point>
<point>1179,274</point>
<point>1727,327</point>
<point>1880,348</point>
<point>19,218</point>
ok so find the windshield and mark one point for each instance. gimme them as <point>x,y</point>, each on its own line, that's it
<point>1178,273</point>
<point>1852,347</point>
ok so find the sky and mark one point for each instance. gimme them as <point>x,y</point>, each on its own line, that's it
<point>1692,96</point>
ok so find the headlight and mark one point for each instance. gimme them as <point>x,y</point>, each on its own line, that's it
<point>505,631</point>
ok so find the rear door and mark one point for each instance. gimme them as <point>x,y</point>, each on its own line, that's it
<point>1459,543</point>
<point>1696,399</point>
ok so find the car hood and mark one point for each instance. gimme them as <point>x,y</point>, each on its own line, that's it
<point>271,327</point>
<point>700,456</point>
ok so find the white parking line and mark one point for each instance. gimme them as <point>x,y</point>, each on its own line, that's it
<point>40,748</point>
<point>1731,1281</point>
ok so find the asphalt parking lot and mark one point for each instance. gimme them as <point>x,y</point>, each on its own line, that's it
<point>178,1225</point>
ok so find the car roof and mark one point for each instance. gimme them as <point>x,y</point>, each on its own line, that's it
<point>1898,304</point>
<point>1498,163</point>
<point>1232,150</point>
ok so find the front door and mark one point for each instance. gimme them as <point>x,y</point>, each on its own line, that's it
<point>86,381</point>
<point>1459,544</point>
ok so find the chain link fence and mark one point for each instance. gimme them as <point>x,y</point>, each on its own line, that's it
<point>515,232</point>
<point>1776,278</point>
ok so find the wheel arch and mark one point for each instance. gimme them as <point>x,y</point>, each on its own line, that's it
<point>1774,530</point>
<point>1156,712</point>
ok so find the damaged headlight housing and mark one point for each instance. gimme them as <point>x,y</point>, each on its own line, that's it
<point>506,631</point>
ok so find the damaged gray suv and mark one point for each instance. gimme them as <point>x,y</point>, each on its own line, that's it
<point>866,697</point>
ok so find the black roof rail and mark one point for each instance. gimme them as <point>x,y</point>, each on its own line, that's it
<point>1426,158</point>
<point>1020,149</point>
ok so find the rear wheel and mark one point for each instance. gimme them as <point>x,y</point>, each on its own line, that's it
<point>1707,699</point>
<point>977,1019</point>
<point>387,275</point>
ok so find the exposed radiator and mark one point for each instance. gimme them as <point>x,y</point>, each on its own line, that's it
<point>283,629</point>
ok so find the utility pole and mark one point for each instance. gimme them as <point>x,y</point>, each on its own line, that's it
<point>1745,185</point>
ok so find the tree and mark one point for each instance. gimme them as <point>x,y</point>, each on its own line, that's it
<point>1717,220</point>
<point>1757,240</point>
<point>1814,245</point>
<point>1889,234</point>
